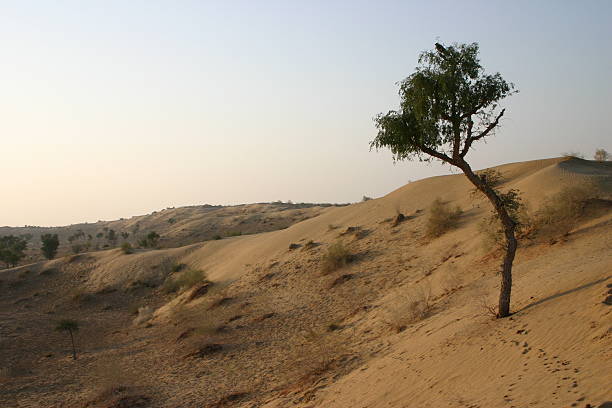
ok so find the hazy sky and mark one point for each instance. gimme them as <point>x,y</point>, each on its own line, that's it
<point>111,109</point>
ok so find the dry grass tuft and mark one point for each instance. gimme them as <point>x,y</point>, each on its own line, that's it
<point>336,257</point>
<point>184,281</point>
<point>560,212</point>
<point>411,308</point>
<point>441,218</point>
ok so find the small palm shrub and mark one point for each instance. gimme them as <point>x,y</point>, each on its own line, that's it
<point>127,249</point>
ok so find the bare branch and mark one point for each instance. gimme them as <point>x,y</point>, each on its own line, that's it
<point>470,139</point>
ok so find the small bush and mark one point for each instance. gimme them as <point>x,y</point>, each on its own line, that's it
<point>336,257</point>
<point>145,314</point>
<point>127,249</point>
<point>411,308</point>
<point>560,212</point>
<point>441,218</point>
<point>184,281</point>
<point>178,267</point>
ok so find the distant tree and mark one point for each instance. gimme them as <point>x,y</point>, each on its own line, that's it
<point>111,236</point>
<point>125,235</point>
<point>446,105</point>
<point>70,326</point>
<point>150,240</point>
<point>601,155</point>
<point>365,198</point>
<point>50,243</point>
<point>99,235</point>
<point>12,249</point>
<point>574,154</point>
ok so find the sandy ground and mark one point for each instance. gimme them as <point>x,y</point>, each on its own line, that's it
<point>273,330</point>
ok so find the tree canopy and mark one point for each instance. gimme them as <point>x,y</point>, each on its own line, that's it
<point>12,249</point>
<point>447,104</point>
<point>50,243</point>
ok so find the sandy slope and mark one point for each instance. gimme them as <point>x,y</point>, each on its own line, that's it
<point>289,335</point>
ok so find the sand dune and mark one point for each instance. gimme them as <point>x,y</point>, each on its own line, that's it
<point>273,330</point>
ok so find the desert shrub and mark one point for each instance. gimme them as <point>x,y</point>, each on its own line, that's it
<point>150,240</point>
<point>365,198</point>
<point>145,314</point>
<point>177,267</point>
<point>185,280</point>
<point>217,237</point>
<point>560,212</point>
<point>127,249</point>
<point>336,257</point>
<point>441,218</point>
<point>410,308</point>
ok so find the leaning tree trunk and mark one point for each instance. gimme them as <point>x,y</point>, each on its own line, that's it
<point>74,356</point>
<point>509,228</point>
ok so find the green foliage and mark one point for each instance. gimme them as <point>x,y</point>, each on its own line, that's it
<point>125,235</point>
<point>492,228</point>
<point>67,325</point>
<point>12,249</point>
<point>150,240</point>
<point>441,218</point>
<point>127,249</point>
<point>183,281</point>
<point>336,257</point>
<point>448,99</point>
<point>178,267</point>
<point>50,243</point>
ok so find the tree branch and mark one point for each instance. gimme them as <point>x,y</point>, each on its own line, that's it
<point>436,154</point>
<point>470,139</point>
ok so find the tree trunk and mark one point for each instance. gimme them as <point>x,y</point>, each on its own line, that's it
<point>509,228</point>
<point>74,356</point>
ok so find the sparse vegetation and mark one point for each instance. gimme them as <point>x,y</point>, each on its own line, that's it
<point>411,307</point>
<point>560,212</point>
<point>127,248</point>
<point>337,256</point>
<point>183,281</point>
<point>145,313</point>
<point>71,326</point>
<point>150,240</point>
<point>573,154</point>
<point>12,250</point>
<point>441,218</point>
<point>177,267</point>
<point>50,243</point>
<point>601,155</point>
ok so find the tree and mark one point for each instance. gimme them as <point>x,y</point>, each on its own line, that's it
<point>445,106</point>
<point>70,326</point>
<point>111,236</point>
<point>12,250</point>
<point>601,155</point>
<point>150,241</point>
<point>50,242</point>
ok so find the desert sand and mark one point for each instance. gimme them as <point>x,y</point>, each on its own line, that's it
<point>273,330</point>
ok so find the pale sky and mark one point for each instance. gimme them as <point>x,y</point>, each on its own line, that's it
<point>110,109</point>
